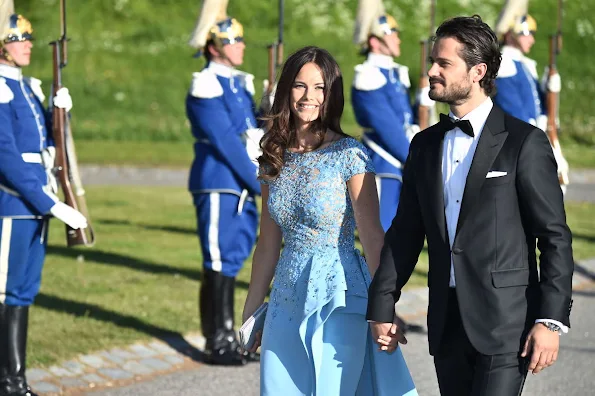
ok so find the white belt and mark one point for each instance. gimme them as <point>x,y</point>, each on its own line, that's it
<point>382,152</point>
<point>32,158</point>
<point>243,198</point>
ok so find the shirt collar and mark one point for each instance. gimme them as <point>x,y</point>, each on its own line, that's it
<point>379,60</point>
<point>221,70</point>
<point>477,117</point>
<point>513,53</point>
<point>14,73</point>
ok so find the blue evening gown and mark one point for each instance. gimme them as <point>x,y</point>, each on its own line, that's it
<point>316,339</point>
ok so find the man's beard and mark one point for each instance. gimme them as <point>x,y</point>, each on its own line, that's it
<point>453,94</point>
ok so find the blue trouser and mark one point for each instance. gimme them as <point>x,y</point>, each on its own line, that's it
<point>22,251</point>
<point>389,190</point>
<point>226,236</point>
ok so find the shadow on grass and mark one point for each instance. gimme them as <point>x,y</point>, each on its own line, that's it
<point>152,227</point>
<point>579,269</point>
<point>121,260</point>
<point>585,238</point>
<point>584,293</point>
<point>76,308</point>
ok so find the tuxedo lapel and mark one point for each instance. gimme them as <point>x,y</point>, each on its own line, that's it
<point>490,142</point>
<point>435,182</point>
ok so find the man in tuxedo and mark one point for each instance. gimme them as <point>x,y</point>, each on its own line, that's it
<point>482,187</point>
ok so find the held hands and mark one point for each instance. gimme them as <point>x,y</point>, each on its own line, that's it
<point>63,99</point>
<point>542,345</point>
<point>387,336</point>
<point>73,218</point>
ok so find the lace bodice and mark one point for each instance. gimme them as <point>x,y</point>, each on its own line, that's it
<point>310,202</point>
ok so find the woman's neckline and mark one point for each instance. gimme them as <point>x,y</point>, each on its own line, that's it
<point>331,144</point>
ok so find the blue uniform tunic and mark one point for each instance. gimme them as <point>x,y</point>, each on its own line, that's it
<point>518,91</point>
<point>380,100</point>
<point>25,193</point>
<point>223,178</point>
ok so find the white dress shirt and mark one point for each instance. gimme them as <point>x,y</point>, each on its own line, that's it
<point>457,156</point>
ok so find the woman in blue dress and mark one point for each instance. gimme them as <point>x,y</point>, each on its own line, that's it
<point>318,184</point>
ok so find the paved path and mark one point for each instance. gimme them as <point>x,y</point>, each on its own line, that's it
<point>582,187</point>
<point>172,366</point>
<point>571,376</point>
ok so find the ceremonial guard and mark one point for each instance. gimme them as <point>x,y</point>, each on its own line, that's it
<point>380,98</point>
<point>223,180</point>
<point>27,194</point>
<point>519,91</point>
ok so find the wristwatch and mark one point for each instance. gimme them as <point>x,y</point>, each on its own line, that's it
<point>552,327</point>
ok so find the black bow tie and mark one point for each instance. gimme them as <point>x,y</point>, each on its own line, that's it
<point>463,125</point>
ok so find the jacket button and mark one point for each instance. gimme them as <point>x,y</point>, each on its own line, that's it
<point>457,250</point>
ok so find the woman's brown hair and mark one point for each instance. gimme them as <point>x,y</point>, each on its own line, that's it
<point>280,129</point>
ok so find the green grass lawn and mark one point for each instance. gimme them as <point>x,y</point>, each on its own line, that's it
<point>130,66</point>
<point>141,279</point>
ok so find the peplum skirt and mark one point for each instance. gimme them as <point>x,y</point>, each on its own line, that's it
<point>323,346</point>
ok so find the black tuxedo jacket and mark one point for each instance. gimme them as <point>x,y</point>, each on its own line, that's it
<point>499,288</point>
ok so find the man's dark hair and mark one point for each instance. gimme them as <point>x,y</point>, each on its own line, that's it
<point>480,45</point>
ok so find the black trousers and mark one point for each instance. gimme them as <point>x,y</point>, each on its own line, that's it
<point>463,371</point>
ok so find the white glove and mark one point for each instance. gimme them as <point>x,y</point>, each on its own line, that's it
<point>253,137</point>
<point>266,104</point>
<point>411,131</point>
<point>541,122</point>
<point>63,99</point>
<point>73,218</point>
<point>423,97</point>
<point>48,157</point>
<point>551,83</point>
<point>563,167</point>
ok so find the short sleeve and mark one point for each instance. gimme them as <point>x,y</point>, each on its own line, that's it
<point>355,160</point>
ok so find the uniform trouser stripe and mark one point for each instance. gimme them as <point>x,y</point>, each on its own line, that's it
<point>214,232</point>
<point>5,236</point>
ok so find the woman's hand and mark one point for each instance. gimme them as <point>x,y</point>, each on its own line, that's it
<point>257,340</point>
<point>249,308</point>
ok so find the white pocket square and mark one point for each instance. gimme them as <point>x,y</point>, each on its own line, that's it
<point>492,174</point>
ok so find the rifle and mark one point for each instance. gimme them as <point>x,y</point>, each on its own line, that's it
<point>423,112</point>
<point>276,51</point>
<point>66,164</point>
<point>552,98</point>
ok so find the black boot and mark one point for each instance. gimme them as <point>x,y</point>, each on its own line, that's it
<point>228,316</point>
<point>206,306</point>
<point>17,319</point>
<point>3,349</point>
<point>222,346</point>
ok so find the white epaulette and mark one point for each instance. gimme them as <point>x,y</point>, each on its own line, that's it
<point>247,81</point>
<point>507,67</point>
<point>35,85</point>
<point>531,66</point>
<point>368,78</point>
<point>205,85</point>
<point>403,75</point>
<point>6,94</point>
